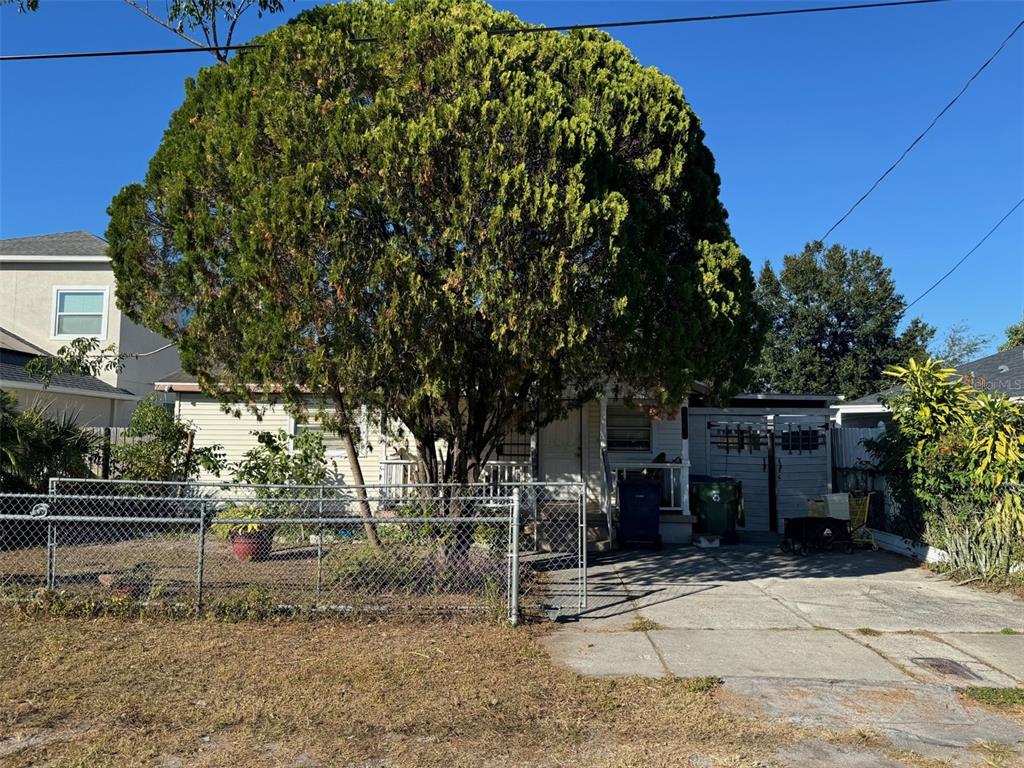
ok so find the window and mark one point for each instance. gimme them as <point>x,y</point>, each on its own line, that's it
<point>80,312</point>
<point>332,440</point>
<point>629,429</point>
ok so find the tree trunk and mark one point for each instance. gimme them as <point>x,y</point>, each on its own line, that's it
<point>357,480</point>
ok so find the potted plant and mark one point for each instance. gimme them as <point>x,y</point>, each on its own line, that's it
<point>250,539</point>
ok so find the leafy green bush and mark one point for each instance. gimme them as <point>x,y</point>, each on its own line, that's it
<point>35,447</point>
<point>163,447</point>
<point>361,567</point>
<point>952,458</point>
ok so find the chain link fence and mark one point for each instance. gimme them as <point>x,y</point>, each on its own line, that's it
<point>423,549</point>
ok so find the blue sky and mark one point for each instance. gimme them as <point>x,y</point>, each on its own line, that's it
<point>802,113</point>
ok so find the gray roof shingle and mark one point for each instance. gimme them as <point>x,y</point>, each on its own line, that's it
<point>15,354</point>
<point>79,243</point>
<point>1001,372</point>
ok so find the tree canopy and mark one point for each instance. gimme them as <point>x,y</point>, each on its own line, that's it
<point>833,328</point>
<point>456,228</point>
<point>960,345</point>
<point>1014,336</point>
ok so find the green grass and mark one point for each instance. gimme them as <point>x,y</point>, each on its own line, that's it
<point>869,631</point>
<point>1007,631</point>
<point>997,697</point>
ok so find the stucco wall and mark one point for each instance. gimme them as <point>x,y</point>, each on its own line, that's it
<point>87,411</point>
<point>27,310</point>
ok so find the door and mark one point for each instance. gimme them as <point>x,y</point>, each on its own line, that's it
<point>802,463</point>
<point>738,448</point>
<point>559,447</point>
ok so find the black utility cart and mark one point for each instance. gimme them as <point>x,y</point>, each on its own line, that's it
<point>806,533</point>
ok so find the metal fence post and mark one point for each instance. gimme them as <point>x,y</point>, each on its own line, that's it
<point>513,587</point>
<point>319,547</point>
<point>201,559</point>
<point>583,548</point>
<point>51,555</point>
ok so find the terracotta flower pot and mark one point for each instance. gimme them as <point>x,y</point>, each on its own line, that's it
<point>252,546</point>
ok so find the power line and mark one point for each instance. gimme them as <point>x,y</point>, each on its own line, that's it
<point>715,17</point>
<point>501,31</point>
<point>920,136</point>
<point>138,52</point>
<point>966,255</point>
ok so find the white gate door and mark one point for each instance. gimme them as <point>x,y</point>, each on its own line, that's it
<point>803,467</point>
<point>739,448</point>
<point>559,447</point>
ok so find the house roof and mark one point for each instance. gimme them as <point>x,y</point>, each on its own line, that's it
<point>78,245</point>
<point>1001,372</point>
<point>11,342</point>
<point>15,354</point>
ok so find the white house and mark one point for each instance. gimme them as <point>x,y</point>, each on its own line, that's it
<point>57,287</point>
<point>593,444</point>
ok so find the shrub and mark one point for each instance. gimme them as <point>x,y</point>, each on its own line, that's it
<point>35,447</point>
<point>162,447</point>
<point>954,459</point>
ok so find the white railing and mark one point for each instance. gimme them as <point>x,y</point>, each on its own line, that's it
<point>504,471</point>
<point>672,476</point>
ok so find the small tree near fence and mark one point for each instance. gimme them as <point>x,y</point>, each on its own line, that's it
<point>161,447</point>
<point>952,458</point>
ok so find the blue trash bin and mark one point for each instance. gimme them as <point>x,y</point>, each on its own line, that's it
<point>640,512</point>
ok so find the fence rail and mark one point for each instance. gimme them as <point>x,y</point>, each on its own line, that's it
<point>443,549</point>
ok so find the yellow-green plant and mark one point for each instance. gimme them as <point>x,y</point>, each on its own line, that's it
<point>954,452</point>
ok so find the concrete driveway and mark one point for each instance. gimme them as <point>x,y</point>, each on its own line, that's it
<point>786,632</point>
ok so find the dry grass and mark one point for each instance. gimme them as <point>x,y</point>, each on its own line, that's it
<point>107,691</point>
<point>643,624</point>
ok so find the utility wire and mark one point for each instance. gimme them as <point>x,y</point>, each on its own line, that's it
<point>953,269</point>
<point>921,135</point>
<point>501,31</point>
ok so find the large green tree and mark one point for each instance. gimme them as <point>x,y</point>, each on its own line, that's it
<point>834,318</point>
<point>466,231</point>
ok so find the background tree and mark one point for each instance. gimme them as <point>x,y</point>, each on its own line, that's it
<point>960,346</point>
<point>458,229</point>
<point>834,315</point>
<point>215,20</point>
<point>1014,336</point>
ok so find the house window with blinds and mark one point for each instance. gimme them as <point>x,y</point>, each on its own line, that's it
<point>629,430</point>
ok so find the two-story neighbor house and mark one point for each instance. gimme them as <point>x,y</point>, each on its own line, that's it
<point>57,287</point>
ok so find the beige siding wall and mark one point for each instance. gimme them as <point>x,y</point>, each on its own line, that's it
<point>235,435</point>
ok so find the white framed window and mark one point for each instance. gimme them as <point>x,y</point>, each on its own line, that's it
<point>80,311</point>
<point>629,429</point>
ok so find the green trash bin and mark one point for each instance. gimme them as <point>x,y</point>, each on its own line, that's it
<point>717,503</point>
